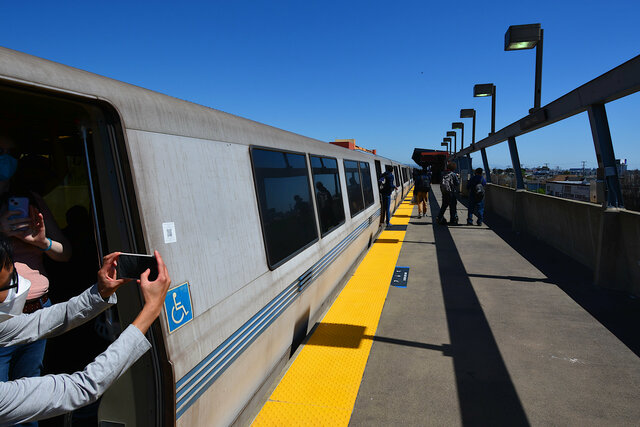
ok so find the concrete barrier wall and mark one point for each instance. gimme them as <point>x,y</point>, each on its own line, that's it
<point>570,226</point>
<point>606,241</point>
<point>500,200</point>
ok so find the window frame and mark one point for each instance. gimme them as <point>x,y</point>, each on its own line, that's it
<point>274,266</point>
<point>373,196</point>
<point>357,162</point>
<point>344,216</point>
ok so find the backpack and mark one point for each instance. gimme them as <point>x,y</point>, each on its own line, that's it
<point>423,183</point>
<point>447,185</point>
<point>478,192</point>
<point>385,188</point>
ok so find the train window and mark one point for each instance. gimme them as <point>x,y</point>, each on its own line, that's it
<point>354,187</point>
<point>367,186</point>
<point>326,183</point>
<point>378,169</point>
<point>284,200</point>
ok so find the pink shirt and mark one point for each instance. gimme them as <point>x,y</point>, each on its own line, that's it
<point>29,263</point>
<point>29,260</point>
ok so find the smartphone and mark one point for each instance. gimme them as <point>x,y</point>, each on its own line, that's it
<point>20,204</point>
<point>131,266</point>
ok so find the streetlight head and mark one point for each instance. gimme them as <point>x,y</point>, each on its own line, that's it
<point>446,139</point>
<point>485,89</point>
<point>457,125</point>
<point>467,113</point>
<point>444,144</point>
<point>451,133</point>
<point>520,37</point>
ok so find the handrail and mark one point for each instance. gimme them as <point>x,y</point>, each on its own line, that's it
<point>614,84</point>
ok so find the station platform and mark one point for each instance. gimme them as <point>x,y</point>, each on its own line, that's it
<point>493,328</point>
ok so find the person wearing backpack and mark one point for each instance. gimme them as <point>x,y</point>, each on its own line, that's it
<point>476,187</point>
<point>449,186</point>
<point>387,186</point>
<point>421,191</point>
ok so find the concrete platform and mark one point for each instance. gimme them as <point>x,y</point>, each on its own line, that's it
<point>496,328</point>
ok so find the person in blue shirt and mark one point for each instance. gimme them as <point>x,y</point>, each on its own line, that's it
<point>476,186</point>
<point>387,186</point>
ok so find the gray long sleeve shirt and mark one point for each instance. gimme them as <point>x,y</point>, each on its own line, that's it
<point>29,399</point>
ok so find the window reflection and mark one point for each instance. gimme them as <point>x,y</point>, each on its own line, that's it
<point>354,189</point>
<point>367,186</point>
<point>284,197</point>
<point>326,182</point>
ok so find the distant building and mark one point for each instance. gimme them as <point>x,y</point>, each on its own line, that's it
<point>576,190</point>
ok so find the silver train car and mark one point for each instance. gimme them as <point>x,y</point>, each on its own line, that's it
<point>259,227</point>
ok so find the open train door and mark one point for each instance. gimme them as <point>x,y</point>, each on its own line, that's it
<point>71,151</point>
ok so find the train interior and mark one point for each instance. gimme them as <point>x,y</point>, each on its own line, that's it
<point>59,144</point>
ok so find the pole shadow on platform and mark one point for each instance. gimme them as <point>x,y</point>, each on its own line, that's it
<point>486,393</point>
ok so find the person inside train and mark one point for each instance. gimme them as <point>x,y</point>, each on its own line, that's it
<point>34,398</point>
<point>34,233</point>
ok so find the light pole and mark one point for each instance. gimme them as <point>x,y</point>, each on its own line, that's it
<point>466,113</point>
<point>519,37</point>
<point>455,139</point>
<point>448,141</point>
<point>459,125</point>
<point>488,89</point>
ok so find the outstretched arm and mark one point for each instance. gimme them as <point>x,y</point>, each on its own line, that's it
<point>30,399</point>
<point>58,318</point>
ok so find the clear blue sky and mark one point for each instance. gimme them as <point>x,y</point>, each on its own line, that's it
<point>392,75</point>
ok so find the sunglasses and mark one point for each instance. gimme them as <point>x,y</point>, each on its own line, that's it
<point>13,281</point>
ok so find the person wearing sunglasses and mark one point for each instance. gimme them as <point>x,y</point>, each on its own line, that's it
<point>33,398</point>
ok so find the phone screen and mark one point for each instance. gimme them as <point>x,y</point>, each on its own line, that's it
<point>19,204</point>
<point>131,266</point>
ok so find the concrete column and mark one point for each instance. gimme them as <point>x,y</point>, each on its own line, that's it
<point>515,160</point>
<point>605,154</point>
<point>485,163</point>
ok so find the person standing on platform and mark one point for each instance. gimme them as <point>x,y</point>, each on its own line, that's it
<point>423,186</point>
<point>449,186</point>
<point>476,186</point>
<point>387,185</point>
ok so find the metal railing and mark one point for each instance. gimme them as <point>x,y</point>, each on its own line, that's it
<point>617,83</point>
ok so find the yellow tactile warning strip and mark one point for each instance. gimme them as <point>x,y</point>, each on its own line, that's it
<point>321,385</point>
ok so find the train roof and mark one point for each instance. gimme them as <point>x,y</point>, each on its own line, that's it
<point>146,110</point>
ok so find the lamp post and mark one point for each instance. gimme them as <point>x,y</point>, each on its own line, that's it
<point>455,139</point>
<point>519,37</point>
<point>459,125</point>
<point>466,113</point>
<point>446,142</point>
<point>488,89</point>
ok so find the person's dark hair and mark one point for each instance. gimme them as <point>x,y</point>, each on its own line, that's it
<point>6,251</point>
<point>388,168</point>
<point>451,166</point>
<point>479,171</point>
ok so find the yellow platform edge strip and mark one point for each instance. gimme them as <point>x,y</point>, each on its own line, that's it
<point>321,385</point>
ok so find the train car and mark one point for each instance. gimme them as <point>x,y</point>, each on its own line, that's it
<point>259,228</point>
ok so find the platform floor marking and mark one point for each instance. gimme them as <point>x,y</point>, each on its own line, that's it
<point>321,385</point>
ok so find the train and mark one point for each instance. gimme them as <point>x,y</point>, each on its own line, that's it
<point>260,228</point>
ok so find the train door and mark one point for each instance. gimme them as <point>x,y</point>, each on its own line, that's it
<point>70,157</point>
<point>378,169</point>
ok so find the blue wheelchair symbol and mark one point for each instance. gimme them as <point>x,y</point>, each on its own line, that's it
<point>177,307</point>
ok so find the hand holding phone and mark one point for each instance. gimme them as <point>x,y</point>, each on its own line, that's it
<point>131,266</point>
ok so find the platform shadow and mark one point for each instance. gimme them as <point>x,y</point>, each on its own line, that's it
<point>351,336</point>
<point>486,393</point>
<point>616,311</point>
